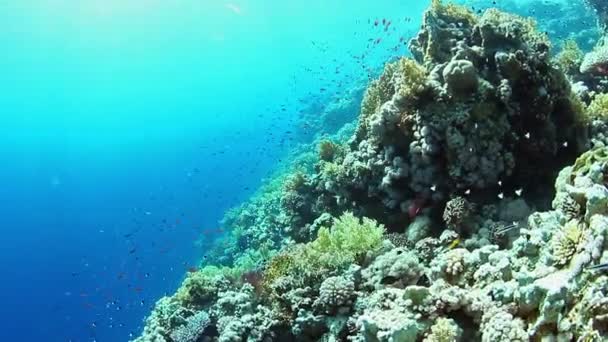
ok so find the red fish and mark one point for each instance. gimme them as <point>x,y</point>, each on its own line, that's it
<point>415,207</point>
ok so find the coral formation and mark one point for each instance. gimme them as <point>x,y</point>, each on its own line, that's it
<point>422,225</point>
<point>570,58</point>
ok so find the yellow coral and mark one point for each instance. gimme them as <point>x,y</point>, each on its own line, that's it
<point>378,92</point>
<point>566,242</point>
<point>526,28</point>
<point>346,242</point>
<point>348,237</point>
<point>454,11</point>
<point>277,267</point>
<point>410,78</point>
<point>577,107</point>
<point>598,108</point>
<point>570,58</point>
<point>444,330</point>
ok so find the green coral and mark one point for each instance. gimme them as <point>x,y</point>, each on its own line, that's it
<point>570,57</point>
<point>202,286</point>
<point>598,108</point>
<point>577,107</point>
<point>294,181</point>
<point>280,265</point>
<point>328,150</point>
<point>379,91</point>
<point>348,241</point>
<point>583,164</point>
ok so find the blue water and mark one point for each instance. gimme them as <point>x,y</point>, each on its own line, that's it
<point>128,127</point>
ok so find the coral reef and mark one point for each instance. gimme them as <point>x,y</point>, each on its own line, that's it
<point>449,214</point>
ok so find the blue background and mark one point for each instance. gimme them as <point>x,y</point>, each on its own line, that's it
<point>128,127</point>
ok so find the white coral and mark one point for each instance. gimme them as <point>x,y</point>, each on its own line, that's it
<point>334,293</point>
<point>398,266</point>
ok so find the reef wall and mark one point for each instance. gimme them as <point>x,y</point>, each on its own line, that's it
<point>463,207</point>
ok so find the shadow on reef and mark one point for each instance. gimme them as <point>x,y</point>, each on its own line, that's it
<point>421,226</point>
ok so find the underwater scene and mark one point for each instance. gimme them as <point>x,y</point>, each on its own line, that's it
<point>319,170</point>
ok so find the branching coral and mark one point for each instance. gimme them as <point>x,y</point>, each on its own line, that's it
<point>598,108</point>
<point>566,242</point>
<point>596,61</point>
<point>348,241</point>
<point>193,329</point>
<point>453,11</point>
<point>456,212</point>
<point>202,286</point>
<point>444,330</point>
<point>570,57</point>
<point>378,92</point>
<point>502,326</point>
<point>409,79</point>
<point>277,267</point>
<point>328,150</point>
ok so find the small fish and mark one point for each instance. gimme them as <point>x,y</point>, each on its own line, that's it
<point>527,135</point>
<point>565,144</point>
<point>598,267</point>
<point>434,188</point>
<point>505,229</point>
<point>454,244</point>
<point>518,192</point>
<point>467,192</point>
<point>499,183</point>
<point>501,195</point>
